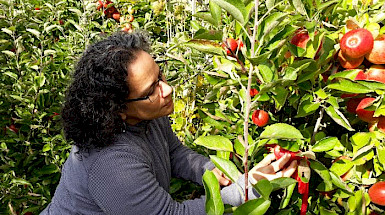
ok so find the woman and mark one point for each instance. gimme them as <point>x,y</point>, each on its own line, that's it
<point>125,151</point>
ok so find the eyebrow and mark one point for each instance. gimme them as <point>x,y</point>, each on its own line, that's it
<point>148,90</point>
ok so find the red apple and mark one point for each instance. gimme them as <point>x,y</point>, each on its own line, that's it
<point>13,128</point>
<point>349,63</point>
<point>260,117</point>
<point>376,73</point>
<point>351,104</point>
<point>361,75</point>
<point>377,193</point>
<point>357,43</point>
<point>253,92</point>
<point>127,28</point>
<point>365,115</point>
<point>381,124</point>
<point>130,18</point>
<point>232,44</point>
<point>116,16</point>
<point>377,55</point>
<point>300,39</point>
<point>100,5</point>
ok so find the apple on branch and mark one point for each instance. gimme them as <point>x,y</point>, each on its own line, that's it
<point>349,63</point>
<point>376,73</point>
<point>356,43</point>
<point>366,115</point>
<point>377,54</point>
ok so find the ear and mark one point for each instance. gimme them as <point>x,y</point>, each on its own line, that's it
<point>123,116</point>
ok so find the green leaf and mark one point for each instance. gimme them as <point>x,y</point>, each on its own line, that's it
<point>280,95</point>
<point>339,183</point>
<point>281,131</point>
<point>363,155</point>
<point>264,188</point>
<point>347,74</point>
<point>325,144</point>
<point>269,23</point>
<point>216,12</point>
<point>215,142</point>
<point>282,35</point>
<point>266,70</point>
<point>206,16</point>
<point>235,7</point>
<point>9,53</point>
<point>39,81</point>
<point>46,147</point>
<point>294,69</point>
<point>338,117</point>
<point>360,139</point>
<point>349,86</point>
<point>49,52</point>
<point>324,211</point>
<point>322,171</point>
<point>373,85</point>
<point>6,30</point>
<point>48,169</point>
<point>299,7</point>
<point>214,204</point>
<point>34,32</point>
<point>253,207</point>
<point>283,182</point>
<point>208,34</point>
<point>341,166</point>
<point>205,46</point>
<point>11,74</point>
<point>307,106</point>
<point>20,181</point>
<point>76,11</point>
<point>327,4</point>
<point>240,149</point>
<point>226,166</point>
<point>270,4</point>
<point>381,155</point>
<point>49,28</point>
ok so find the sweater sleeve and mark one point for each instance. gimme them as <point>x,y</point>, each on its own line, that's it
<point>122,183</point>
<point>185,163</point>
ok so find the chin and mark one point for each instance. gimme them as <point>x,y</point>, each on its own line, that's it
<point>170,109</point>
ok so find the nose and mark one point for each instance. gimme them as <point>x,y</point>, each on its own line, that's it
<point>165,89</point>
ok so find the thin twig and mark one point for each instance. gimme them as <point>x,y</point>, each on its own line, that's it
<point>247,106</point>
<point>317,124</point>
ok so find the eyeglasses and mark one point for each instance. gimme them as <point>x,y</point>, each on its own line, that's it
<point>154,92</point>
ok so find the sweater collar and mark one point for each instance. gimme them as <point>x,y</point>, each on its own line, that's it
<point>141,127</point>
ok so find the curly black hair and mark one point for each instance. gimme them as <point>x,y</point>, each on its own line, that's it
<point>99,88</point>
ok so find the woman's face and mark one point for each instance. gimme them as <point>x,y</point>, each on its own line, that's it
<point>143,81</point>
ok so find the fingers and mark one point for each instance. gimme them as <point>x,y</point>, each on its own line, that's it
<point>290,169</point>
<point>224,181</point>
<point>222,178</point>
<point>280,163</point>
<point>266,161</point>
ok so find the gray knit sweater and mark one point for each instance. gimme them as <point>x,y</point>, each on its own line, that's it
<point>132,176</point>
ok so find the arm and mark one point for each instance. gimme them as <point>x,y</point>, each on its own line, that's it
<point>122,183</point>
<point>185,163</point>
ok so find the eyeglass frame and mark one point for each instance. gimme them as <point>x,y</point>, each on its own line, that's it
<point>160,78</point>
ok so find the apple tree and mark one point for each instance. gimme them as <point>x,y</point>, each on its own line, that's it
<point>299,77</point>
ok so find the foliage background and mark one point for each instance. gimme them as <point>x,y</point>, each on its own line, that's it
<point>39,42</point>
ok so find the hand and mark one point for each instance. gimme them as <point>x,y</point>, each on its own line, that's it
<point>222,178</point>
<point>267,169</point>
